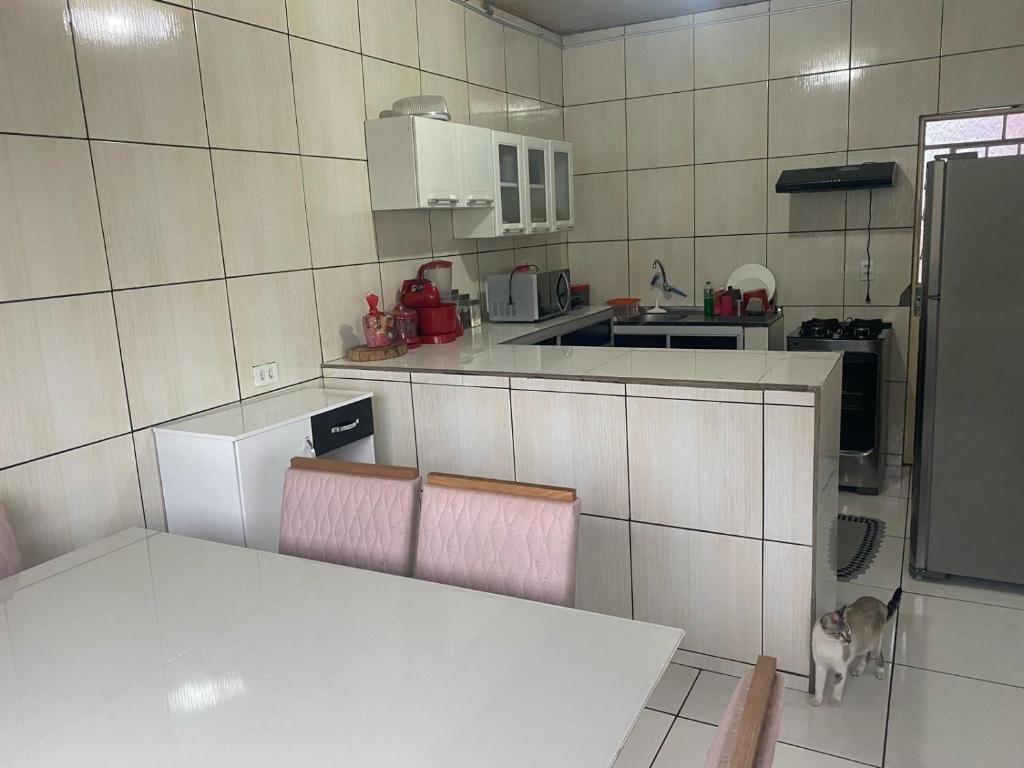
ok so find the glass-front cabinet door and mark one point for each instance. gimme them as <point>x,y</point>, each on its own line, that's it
<point>539,190</point>
<point>510,172</point>
<point>561,209</point>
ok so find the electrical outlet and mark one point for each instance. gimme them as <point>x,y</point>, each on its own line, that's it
<point>264,375</point>
<point>865,271</point>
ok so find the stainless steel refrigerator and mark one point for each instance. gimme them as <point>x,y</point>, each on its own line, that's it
<point>968,496</point>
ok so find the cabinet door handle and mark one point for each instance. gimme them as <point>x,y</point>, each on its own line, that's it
<point>479,201</point>
<point>344,427</point>
<point>442,201</point>
<point>513,230</point>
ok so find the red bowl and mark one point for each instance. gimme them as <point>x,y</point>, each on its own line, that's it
<point>435,321</point>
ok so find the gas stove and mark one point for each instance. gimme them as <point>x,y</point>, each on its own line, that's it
<point>862,429</point>
<point>850,328</point>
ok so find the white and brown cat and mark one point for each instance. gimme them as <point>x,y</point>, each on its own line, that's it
<point>843,641</point>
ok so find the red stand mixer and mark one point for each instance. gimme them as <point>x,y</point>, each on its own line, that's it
<point>438,320</point>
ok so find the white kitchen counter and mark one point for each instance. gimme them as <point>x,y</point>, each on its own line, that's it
<point>510,349</point>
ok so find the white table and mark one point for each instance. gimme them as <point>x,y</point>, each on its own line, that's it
<point>148,649</point>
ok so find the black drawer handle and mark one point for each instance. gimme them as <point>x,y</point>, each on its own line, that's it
<point>344,427</point>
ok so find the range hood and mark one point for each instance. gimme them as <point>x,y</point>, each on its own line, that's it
<point>838,177</point>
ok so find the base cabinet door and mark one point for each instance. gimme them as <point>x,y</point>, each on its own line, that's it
<point>787,605</point>
<point>603,581</point>
<point>463,430</point>
<point>789,473</point>
<point>704,583</point>
<point>696,464</point>
<point>576,441</point>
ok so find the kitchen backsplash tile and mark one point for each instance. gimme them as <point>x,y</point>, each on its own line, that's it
<point>335,22</point>
<point>887,101</point>
<point>598,135</point>
<point>594,72</point>
<point>176,349</point>
<point>159,213</point>
<point>731,52</point>
<point>63,372</point>
<point>661,202</point>
<point>810,40</point>
<point>264,13</point>
<point>884,31</point>
<point>522,63</point>
<point>485,51</point>
<point>341,225</point>
<point>659,131</point>
<point>387,29</point>
<point>247,85</point>
<point>329,100</point>
<point>273,319</point>
<point>442,38</point>
<point>659,63</point>
<point>40,93</point>
<point>729,123</point>
<point>383,84</point>
<point>340,304</point>
<point>262,212</point>
<point>140,77</point>
<point>51,241</point>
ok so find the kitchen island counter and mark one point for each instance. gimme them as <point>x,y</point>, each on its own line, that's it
<point>708,480</point>
<point>511,350</point>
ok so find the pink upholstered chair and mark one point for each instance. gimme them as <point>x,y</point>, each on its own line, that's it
<point>11,561</point>
<point>749,728</point>
<point>497,536</point>
<point>363,515</point>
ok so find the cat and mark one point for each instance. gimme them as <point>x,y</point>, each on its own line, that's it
<point>843,641</point>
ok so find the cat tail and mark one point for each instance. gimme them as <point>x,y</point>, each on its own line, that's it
<point>894,604</point>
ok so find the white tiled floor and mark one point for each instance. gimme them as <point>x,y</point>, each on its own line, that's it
<point>955,698</point>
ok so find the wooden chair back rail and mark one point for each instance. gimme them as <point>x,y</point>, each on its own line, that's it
<point>755,712</point>
<point>355,468</point>
<point>551,492</point>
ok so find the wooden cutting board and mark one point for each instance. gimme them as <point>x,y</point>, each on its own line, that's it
<point>365,354</point>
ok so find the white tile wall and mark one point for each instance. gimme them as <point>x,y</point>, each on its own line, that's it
<point>205,190</point>
<point>51,241</point>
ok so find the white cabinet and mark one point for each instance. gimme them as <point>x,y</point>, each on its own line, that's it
<point>603,581</point>
<point>538,191</point>
<point>705,583</point>
<point>498,184</point>
<point>222,472</point>
<point>561,200</point>
<point>463,430</point>
<point>696,464</point>
<point>413,163</point>
<point>574,440</point>
<point>476,169</point>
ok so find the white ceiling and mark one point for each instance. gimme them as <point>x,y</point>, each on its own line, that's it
<point>568,16</point>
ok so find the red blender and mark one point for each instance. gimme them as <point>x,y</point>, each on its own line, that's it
<point>438,321</point>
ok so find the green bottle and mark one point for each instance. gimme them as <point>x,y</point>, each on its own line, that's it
<point>709,300</point>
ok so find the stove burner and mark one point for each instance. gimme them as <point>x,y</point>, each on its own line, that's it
<point>816,328</point>
<point>851,328</point>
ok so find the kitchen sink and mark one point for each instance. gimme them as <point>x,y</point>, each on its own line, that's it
<point>670,316</point>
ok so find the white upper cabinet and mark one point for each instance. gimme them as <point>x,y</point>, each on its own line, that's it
<point>538,191</point>
<point>413,163</point>
<point>499,183</point>
<point>511,172</point>
<point>561,203</point>
<point>476,169</point>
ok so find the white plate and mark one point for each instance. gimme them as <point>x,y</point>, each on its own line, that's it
<point>750,277</point>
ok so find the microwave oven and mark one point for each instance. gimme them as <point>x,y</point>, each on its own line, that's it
<point>525,297</point>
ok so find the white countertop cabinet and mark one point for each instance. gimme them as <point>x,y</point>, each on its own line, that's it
<point>222,471</point>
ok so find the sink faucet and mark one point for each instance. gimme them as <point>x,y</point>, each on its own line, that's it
<point>666,288</point>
